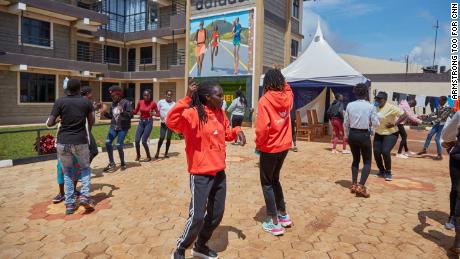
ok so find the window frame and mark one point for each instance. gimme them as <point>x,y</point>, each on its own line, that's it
<point>293,9</point>
<point>20,36</point>
<point>18,85</point>
<point>119,55</point>
<point>297,47</point>
<point>151,55</point>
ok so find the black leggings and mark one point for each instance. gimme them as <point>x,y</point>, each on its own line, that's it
<point>164,132</point>
<point>403,143</point>
<point>270,169</point>
<point>383,144</point>
<point>360,144</point>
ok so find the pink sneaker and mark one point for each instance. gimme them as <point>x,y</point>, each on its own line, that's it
<point>285,220</point>
<point>275,230</point>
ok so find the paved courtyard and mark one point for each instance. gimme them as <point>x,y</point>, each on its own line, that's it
<point>140,212</point>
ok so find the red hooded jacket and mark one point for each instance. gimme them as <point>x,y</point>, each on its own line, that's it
<point>273,125</point>
<point>205,144</point>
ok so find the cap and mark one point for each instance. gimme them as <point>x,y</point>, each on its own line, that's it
<point>381,95</point>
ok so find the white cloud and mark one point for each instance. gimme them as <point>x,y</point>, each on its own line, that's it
<point>342,7</point>
<point>422,53</point>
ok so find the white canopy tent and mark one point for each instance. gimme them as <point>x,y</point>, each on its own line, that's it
<point>318,74</point>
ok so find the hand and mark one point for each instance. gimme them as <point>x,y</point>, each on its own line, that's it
<point>242,138</point>
<point>192,87</point>
<point>389,125</point>
<point>105,107</point>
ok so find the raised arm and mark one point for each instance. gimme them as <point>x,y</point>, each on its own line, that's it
<point>175,119</point>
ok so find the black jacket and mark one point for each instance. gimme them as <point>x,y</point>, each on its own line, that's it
<point>121,114</point>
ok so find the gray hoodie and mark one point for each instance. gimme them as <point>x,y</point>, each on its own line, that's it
<point>237,108</point>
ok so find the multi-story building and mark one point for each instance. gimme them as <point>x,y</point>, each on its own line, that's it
<point>139,44</point>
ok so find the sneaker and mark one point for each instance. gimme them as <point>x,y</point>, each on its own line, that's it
<point>275,230</point>
<point>410,153</point>
<point>438,158</point>
<point>345,151</point>
<point>334,151</point>
<point>450,224</point>
<point>388,176</point>
<point>87,203</point>
<point>178,254</point>
<point>58,198</point>
<point>403,156</point>
<point>166,156</point>
<point>109,167</point>
<point>69,209</point>
<point>137,158</point>
<point>204,252</point>
<point>294,149</point>
<point>236,143</point>
<point>285,220</point>
<point>380,174</point>
<point>353,188</point>
<point>123,167</point>
<point>362,191</point>
<point>423,152</point>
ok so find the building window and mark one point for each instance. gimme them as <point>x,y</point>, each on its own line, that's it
<point>295,8</point>
<point>294,48</point>
<point>37,88</point>
<point>83,51</point>
<point>146,55</point>
<point>126,15</point>
<point>112,54</point>
<point>35,32</point>
<point>105,91</point>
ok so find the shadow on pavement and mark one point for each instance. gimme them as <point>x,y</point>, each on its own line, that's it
<point>439,238</point>
<point>261,215</point>
<point>102,195</point>
<point>220,243</point>
<point>344,183</point>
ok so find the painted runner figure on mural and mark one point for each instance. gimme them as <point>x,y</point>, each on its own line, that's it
<point>201,36</point>
<point>215,38</point>
<point>236,32</point>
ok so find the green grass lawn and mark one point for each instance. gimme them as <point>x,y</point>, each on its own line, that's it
<point>20,145</point>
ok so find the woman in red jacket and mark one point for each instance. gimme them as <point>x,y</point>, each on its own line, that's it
<point>273,140</point>
<point>203,123</point>
<point>147,107</point>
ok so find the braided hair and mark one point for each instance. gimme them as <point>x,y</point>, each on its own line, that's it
<point>274,80</point>
<point>199,100</point>
<point>243,99</point>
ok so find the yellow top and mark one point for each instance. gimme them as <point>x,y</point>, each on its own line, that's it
<point>388,114</point>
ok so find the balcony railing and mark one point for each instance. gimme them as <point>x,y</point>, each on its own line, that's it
<point>86,52</point>
<point>172,58</point>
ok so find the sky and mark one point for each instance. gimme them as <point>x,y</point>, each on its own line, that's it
<point>388,29</point>
<point>244,20</point>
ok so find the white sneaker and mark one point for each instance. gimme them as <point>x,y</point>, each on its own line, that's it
<point>334,151</point>
<point>402,156</point>
<point>346,151</point>
<point>410,153</point>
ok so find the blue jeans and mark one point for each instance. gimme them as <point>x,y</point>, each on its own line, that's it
<point>144,128</point>
<point>108,144</point>
<point>436,129</point>
<point>65,154</point>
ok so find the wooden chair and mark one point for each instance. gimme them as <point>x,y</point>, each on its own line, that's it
<point>317,129</point>
<point>302,132</point>
<point>323,126</point>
